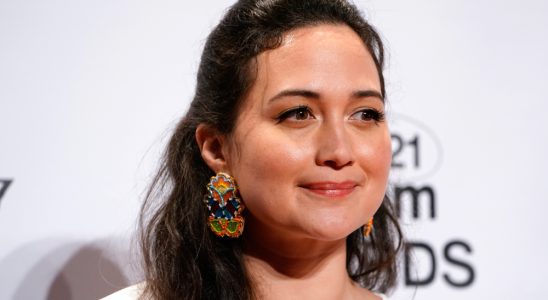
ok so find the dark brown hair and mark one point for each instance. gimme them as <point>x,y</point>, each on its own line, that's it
<point>182,259</point>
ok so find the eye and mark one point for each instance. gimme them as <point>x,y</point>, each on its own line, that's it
<point>300,113</point>
<point>369,114</point>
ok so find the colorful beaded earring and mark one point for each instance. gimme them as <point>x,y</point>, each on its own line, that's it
<point>225,206</point>
<point>368,227</point>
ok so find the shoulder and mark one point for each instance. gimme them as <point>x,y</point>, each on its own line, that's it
<point>363,293</point>
<point>382,296</point>
<point>129,293</point>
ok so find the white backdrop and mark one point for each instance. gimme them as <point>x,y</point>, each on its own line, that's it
<point>89,91</point>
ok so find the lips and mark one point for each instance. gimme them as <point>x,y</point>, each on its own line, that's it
<point>331,189</point>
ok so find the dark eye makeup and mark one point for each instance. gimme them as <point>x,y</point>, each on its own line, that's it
<point>299,113</point>
<point>368,114</point>
<point>303,112</point>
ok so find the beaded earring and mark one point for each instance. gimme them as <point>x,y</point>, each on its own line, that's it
<point>368,227</point>
<point>225,206</point>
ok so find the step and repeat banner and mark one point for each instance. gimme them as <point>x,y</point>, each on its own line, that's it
<point>90,91</point>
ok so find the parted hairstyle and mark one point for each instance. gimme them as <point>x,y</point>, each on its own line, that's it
<point>182,259</point>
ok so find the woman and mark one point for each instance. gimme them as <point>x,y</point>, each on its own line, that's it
<point>273,184</point>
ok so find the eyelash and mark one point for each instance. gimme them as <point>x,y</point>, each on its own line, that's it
<point>372,114</point>
<point>286,114</point>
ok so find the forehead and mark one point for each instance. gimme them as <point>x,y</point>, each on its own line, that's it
<point>331,33</point>
<point>322,58</point>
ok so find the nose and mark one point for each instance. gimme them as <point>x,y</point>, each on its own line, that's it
<point>334,146</point>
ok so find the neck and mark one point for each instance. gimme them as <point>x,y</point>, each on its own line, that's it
<point>282,266</point>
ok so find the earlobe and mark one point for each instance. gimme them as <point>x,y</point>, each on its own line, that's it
<point>210,142</point>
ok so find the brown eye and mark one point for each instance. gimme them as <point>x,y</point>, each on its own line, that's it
<point>297,114</point>
<point>368,115</point>
<point>302,114</point>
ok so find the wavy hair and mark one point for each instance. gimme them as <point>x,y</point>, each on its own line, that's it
<point>182,259</point>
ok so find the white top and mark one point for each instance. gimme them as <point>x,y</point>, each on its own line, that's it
<point>134,291</point>
<point>383,297</point>
<point>130,293</point>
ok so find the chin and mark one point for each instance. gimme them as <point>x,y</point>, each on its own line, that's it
<point>332,231</point>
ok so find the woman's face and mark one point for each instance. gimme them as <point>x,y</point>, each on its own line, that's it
<point>310,149</point>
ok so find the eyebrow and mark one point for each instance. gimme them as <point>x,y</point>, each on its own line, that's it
<point>314,95</point>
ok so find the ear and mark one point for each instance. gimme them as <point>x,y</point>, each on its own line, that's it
<point>211,143</point>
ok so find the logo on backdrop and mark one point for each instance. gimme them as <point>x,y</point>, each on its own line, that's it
<point>4,185</point>
<point>416,156</point>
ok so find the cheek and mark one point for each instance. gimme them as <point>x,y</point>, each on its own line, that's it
<point>266,167</point>
<point>375,155</point>
<point>384,152</point>
<point>375,159</point>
